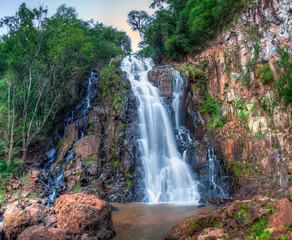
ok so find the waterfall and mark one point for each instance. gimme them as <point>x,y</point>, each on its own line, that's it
<point>215,176</point>
<point>177,94</point>
<point>166,174</point>
<point>81,111</point>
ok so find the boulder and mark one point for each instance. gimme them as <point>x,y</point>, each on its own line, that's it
<point>88,147</point>
<point>13,207</point>
<point>84,214</point>
<point>44,233</point>
<point>71,133</point>
<point>15,223</point>
<point>282,217</point>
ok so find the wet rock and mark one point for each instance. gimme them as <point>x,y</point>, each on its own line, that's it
<point>15,223</point>
<point>71,133</point>
<point>88,147</point>
<point>95,121</point>
<point>162,78</point>
<point>81,213</point>
<point>44,233</point>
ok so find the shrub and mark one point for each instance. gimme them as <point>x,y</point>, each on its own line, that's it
<point>265,74</point>
<point>284,84</point>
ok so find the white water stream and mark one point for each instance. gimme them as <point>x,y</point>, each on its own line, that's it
<point>166,174</point>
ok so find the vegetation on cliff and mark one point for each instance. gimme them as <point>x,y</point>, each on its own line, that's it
<point>180,27</point>
<point>40,59</point>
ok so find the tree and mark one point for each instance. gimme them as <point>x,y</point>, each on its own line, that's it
<point>138,20</point>
<point>24,42</point>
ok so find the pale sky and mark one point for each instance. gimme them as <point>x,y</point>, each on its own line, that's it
<point>109,12</point>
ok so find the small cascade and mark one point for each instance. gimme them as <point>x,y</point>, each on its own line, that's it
<point>167,176</point>
<point>216,178</point>
<point>110,62</point>
<point>81,111</point>
<point>178,86</point>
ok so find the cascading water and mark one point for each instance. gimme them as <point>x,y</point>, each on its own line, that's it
<point>178,85</point>
<point>166,174</point>
<point>215,175</point>
<point>74,117</point>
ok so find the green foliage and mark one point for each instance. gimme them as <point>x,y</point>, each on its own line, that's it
<point>214,110</point>
<point>263,103</point>
<point>40,59</point>
<point>259,230</point>
<point>183,26</point>
<point>14,167</point>
<point>238,169</point>
<point>250,65</point>
<point>2,194</point>
<point>284,84</point>
<point>129,182</point>
<point>242,213</point>
<point>209,105</point>
<point>265,74</point>
<point>77,189</point>
<point>243,115</point>
<point>32,196</point>
<point>89,160</point>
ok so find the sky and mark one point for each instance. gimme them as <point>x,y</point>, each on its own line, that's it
<point>109,12</point>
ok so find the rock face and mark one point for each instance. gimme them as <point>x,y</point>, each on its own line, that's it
<point>82,213</point>
<point>88,147</point>
<point>252,129</point>
<point>103,162</point>
<point>162,78</point>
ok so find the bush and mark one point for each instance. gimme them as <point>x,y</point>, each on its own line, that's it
<point>284,84</point>
<point>265,74</point>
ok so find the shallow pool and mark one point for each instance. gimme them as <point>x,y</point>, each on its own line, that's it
<point>138,221</point>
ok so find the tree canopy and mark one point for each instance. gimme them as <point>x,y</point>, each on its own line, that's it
<point>39,57</point>
<point>182,26</point>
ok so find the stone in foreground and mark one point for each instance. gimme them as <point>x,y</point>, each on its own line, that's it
<point>81,213</point>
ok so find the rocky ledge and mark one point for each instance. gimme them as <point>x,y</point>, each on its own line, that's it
<point>77,216</point>
<point>258,218</point>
